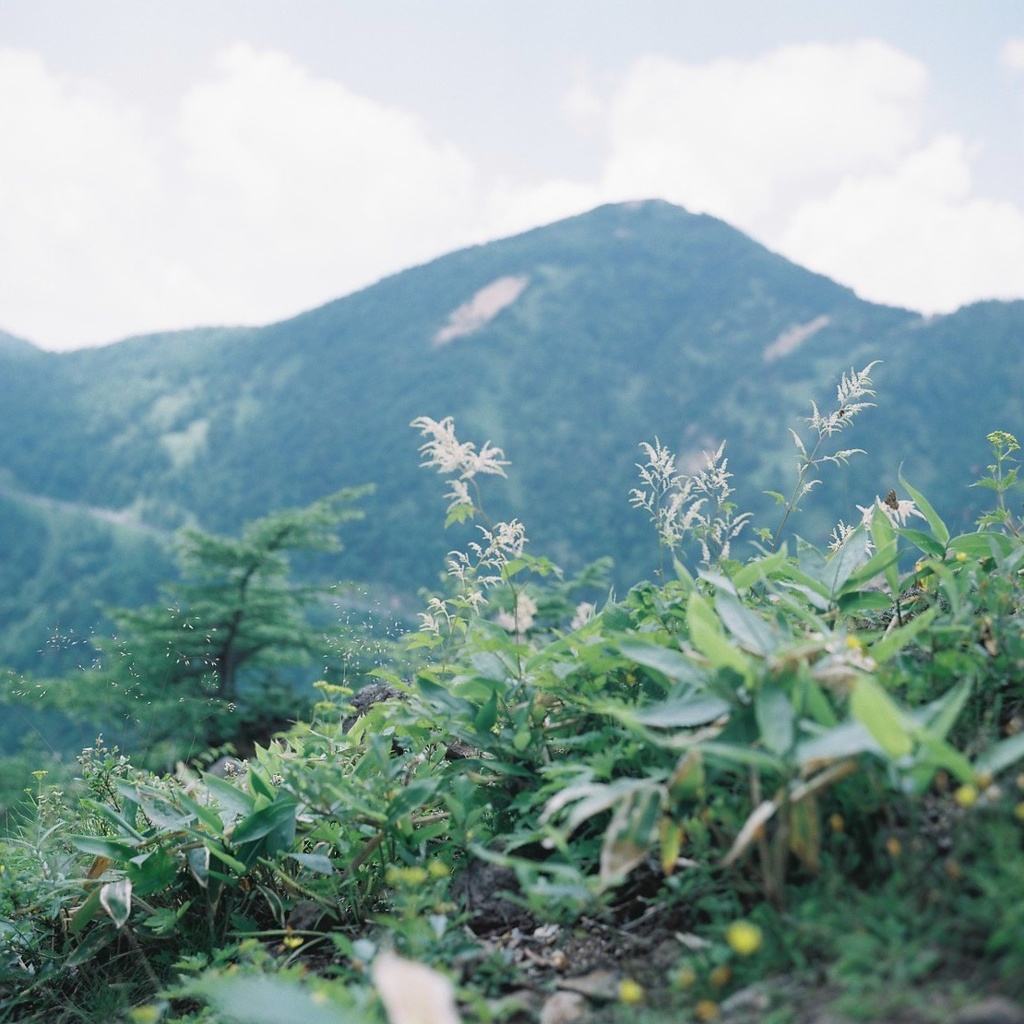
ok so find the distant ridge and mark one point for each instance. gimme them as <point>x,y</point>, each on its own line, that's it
<point>566,345</point>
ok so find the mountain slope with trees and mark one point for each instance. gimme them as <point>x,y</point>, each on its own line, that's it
<point>567,346</point>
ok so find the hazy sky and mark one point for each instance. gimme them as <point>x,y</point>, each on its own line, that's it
<point>174,163</point>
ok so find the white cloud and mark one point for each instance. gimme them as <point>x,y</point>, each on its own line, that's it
<point>1012,55</point>
<point>274,192</point>
<point>735,138</point>
<point>914,236</point>
<point>78,180</point>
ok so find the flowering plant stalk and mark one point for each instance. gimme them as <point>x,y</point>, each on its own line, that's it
<point>851,388</point>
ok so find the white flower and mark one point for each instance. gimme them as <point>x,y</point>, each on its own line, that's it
<point>897,511</point>
<point>452,457</point>
<point>584,613</point>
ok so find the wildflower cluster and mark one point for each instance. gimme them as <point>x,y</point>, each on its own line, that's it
<point>458,460</point>
<point>681,505</point>
<point>852,388</point>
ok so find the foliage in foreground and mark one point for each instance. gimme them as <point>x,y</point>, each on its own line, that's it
<point>803,759</point>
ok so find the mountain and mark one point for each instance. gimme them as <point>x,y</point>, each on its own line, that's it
<point>566,346</point>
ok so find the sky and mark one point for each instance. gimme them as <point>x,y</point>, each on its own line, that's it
<point>181,163</point>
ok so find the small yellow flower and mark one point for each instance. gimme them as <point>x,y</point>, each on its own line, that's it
<point>437,869</point>
<point>853,643</point>
<point>631,992</point>
<point>983,780</point>
<point>966,795</point>
<point>961,556</point>
<point>720,976</point>
<point>148,1014</point>
<point>686,976</point>
<point>1018,811</point>
<point>893,847</point>
<point>836,822</point>
<point>292,941</point>
<point>706,1010</point>
<point>744,938</point>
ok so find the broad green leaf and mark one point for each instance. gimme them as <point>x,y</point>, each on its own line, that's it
<point>758,570</point>
<point>153,871</point>
<point>746,625</point>
<point>708,637</point>
<point>262,823</point>
<point>1001,756</point>
<point>198,859</point>
<point>941,715</point>
<point>234,800</point>
<point>895,640</point>
<point>488,714</point>
<point>259,785</point>
<point>98,847</point>
<point>847,739</point>
<point>864,601</point>
<point>884,535</point>
<point>871,705</point>
<point>924,541</point>
<point>982,545</point>
<point>86,912</point>
<point>774,714</point>
<point>934,521</point>
<point>116,900</point>
<point>262,999</point>
<point>683,713</point>
<point>671,663</point>
<point>841,566</point>
<point>316,862</point>
<point>688,778</point>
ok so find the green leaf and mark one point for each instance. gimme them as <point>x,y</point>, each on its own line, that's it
<point>116,900</point>
<point>316,862</point>
<point>683,713</point>
<point>841,566</point>
<point>263,823</point>
<point>258,999</point>
<point>934,521</point>
<point>669,662</point>
<point>708,637</point>
<point>775,718</point>
<point>847,739</point>
<point>1002,755</point>
<point>758,570</point>
<point>923,541</point>
<point>746,625</point>
<point>895,640</point>
<point>872,706</point>
<point>412,797</point>
<point>884,535</point>
<point>234,800</point>
<point>112,817</point>
<point>109,848</point>
<point>982,545</point>
<point>488,714</point>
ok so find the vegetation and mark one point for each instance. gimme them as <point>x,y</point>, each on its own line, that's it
<point>748,780</point>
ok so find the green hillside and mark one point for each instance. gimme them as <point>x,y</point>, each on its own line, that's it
<point>628,322</point>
